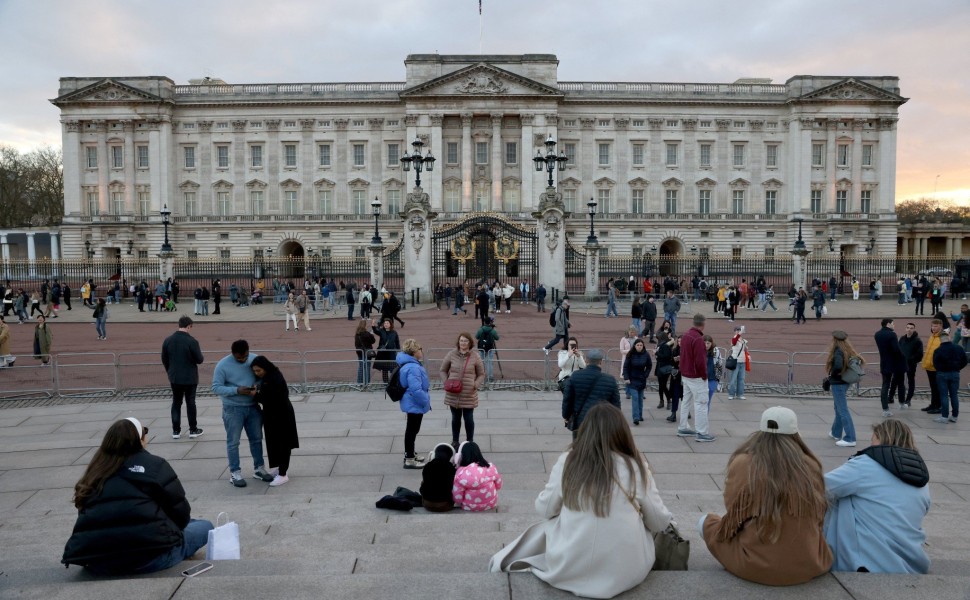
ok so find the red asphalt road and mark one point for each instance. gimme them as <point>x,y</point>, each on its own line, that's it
<point>524,329</point>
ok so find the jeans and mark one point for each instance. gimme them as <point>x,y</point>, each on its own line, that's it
<point>711,388</point>
<point>195,536</point>
<point>636,399</point>
<point>487,358</point>
<point>456,416</point>
<point>736,381</point>
<point>205,307</point>
<point>99,325</point>
<point>766,303</point>
<point>363,368</point>
<point>695,391</point>
<point>635,323</point>
<point>648,329</point>
<point>842,428</point>
<point>907,385</point>
<point>411,433</point>
<point>818,311</point>
<point>186,391</point>
<point>611,308</point>
<point>935,401</point>
<point>350,312</point>
<point>949,384</point>
<point>832,291</point>
<point>235,419</point>
<point>558,338</point>
<point>890,383</point>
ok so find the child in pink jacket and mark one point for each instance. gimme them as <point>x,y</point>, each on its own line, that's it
<point>476,481</point>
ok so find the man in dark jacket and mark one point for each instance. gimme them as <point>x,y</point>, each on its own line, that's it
<point>181,357</point>
<point>912,349</point>
<point>948,360</point>
<point>541,298</point>
<point>648,315</point>
<point>587,387</point>
<point>482,303</point>
<point>892,365</point>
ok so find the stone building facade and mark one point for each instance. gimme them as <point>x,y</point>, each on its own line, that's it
<point>292,168</point>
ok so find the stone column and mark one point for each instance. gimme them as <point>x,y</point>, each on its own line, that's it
<point>104,167</point>
<point>831,154</point>
<point>551,230</point>
<point>72,167</point>
<point>887,165</point>
<point>949,246</point>
<point>436,177</point>
<point>466,162</point>
<point>308,154</point>
<point>592,269</point>
<point>4,247</point>
<point>31,253</point>
<point>205,201</point>
<point>418,217</point>
<point>376,265</point>
<point>856,167</point>
<point>497,162</point>
<point>166,265</point>
<point>55,246</point>
<point>526,170</point>
<point>130,159</point>
<point>271,167</point>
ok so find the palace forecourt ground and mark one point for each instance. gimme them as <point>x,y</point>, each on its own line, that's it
<point>320,535</point>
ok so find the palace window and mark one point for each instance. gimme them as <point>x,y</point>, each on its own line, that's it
<point>842,159</point>
<point>672,122</point>
<point>705,157</point>
<point>865,202</point>
<point>704,202</point>
<point>481,197</point>
<point>323,150</point>
<point>636,202</point>
<point>771,155</point>
<point>256,201</point>
<point>142,153</point>
<point>638,122</point>
<point>569,199</point>
<point>603,201</point>
<point>452,200</point>
<point>190,207</point>
<point>189,154</point>
<point>91,152</point>
<point>223,204</point>
<point>222,156</point>
<point>604,154</point>
<point>481,153</point>
<point>670,202</point>
<point>325,202</point>
<point>738,155</point>
<point>393,201</point>
<point>510,201</point>
<point>867,155</point>
<point>672,155</point>
<point>289,155</point>
<point>358,155</point>
<point>771,198</point>
<point>816,207</point>
<point>93,207</point>
<point>842,201</point>
<point>144,203</point>
<point>737,202</point>
<point>290,202</point>
<point>225,253</point>
<point>818,155</point>
<point>393,155</point>
<point>118,203</point>
<point>638,155</point>
<point>451,153</point>
<point>511,153</point>
<point>359,202</point>
<point>570,151</point>
<point>256,157</point>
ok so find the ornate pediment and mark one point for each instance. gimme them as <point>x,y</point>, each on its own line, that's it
<point>707,182</point>
<point>852,91</point>
<point>481,79</point>
<point>771,184</point>
<point>106,91</point>
<point>740,182</point>
<point>323,182</point>
<point>638,183</point>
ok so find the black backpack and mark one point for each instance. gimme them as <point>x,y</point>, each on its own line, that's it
<point>552,316</point>
<point>394,387</point>
<point>487,341</point>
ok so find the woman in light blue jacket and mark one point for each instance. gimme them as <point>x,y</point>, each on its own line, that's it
<point>878,500</point>
<point>416,400</point>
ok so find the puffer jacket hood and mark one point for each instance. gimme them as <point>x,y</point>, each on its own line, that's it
<point>907,465</point>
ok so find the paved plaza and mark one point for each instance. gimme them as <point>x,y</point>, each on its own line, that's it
<point>320,535</point>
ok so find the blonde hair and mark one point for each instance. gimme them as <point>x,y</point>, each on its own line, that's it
<point>784,477</point>
<point>410,346</point>
<point>590,472</point>
<point>893,432</point>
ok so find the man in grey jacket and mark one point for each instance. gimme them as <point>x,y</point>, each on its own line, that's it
<point>671,308</point>
<point>561,317</point>
<point>586,388</point>
<point>181,357</point>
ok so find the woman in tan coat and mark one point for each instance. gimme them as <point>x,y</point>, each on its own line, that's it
<point>775,498</point>
<point>464,364</point>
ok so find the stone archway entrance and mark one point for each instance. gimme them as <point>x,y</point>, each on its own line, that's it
<point>668,257</point>
<point>291,262</point>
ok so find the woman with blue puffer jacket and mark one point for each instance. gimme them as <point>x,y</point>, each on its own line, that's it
<point>416,400</point>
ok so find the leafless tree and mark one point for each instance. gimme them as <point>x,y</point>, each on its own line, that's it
<point>31,187</point>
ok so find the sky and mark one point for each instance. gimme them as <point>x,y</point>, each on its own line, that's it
<point>924,43</point>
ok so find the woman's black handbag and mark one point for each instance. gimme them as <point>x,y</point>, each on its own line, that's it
<point>731,363</point>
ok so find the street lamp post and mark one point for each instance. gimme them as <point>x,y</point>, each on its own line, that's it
<point>550,162</point>
<point>592,215</point>
<point>799,253</point>
<point>376,210</point>
<point>419,162</point>
<point>166,213</point>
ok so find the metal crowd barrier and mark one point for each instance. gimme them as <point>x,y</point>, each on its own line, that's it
<point>136,374</point>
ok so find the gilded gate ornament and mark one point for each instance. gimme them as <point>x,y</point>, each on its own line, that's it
<point>505,247</point>
<point>462,248</point>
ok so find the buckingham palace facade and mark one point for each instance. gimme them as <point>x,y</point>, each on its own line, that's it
<point>293,168</point>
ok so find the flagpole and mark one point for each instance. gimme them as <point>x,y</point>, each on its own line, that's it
<point>481,27</point>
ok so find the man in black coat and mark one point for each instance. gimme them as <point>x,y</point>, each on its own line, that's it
<point>587,387</point>
<point>892,366</point>
<point>912,350</point>
<point>648,315</point>
<point>181,357</point>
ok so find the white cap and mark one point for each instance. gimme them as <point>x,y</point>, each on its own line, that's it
<point>779,419</point>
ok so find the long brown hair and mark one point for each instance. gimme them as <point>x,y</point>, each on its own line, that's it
<point>120,442</point>
<point>589,473</point>
<point>847,351</point>
<point>784,477</point>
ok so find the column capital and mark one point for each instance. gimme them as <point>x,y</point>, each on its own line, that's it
<point>411,120</point>
<point>238,125</point>
<point>437,120</point>
<point>466,119</point>
<point>526,118</point>
<point>376,124</point>
<point>307,124</point>
<point>72,126</point>
<point>205,126</point>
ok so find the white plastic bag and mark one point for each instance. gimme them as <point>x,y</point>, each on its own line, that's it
<point>223,541</point>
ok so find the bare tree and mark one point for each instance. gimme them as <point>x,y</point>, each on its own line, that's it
<point>31,187</point>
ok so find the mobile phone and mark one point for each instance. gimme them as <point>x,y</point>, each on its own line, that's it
<point>199,568</point>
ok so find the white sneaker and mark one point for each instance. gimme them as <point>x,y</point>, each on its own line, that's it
<point>279,480</point>
<point>741,398</point>
<point>886,414</point>
<point>845,444</point>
